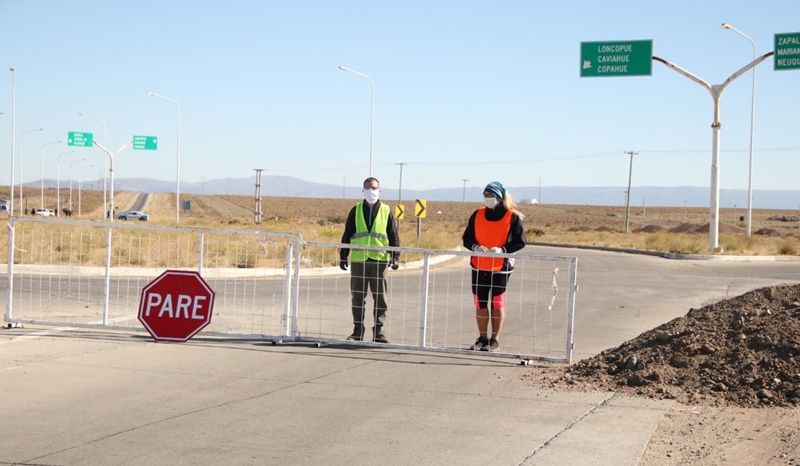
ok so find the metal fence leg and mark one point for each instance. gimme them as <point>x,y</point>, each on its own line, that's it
<point>573,290</point>
<point>287,290</point>
<point>107,284</point>
<point>11,246</point>
<point>200,246</point>
<point>423,315</point>
<point>298,255</point>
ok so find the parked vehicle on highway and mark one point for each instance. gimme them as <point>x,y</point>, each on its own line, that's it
<point>133,215</point>
<point>44,212</point>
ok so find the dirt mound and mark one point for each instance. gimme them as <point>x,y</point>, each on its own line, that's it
<point>604,228</point>
<point>743,351</point>
<point>688,228</point>
<point>649,229</point>
<point>783,218</point>
<point>767,232</point>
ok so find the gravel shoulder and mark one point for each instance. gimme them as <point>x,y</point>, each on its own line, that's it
<point>725,435</point>
<point>731,367</point>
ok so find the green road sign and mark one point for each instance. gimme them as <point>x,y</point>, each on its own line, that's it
<point>145,142</point>
<point>75,138</point>
<point>787,51</point>
<point>619,58</point>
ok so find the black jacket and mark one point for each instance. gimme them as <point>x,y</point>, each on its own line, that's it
<point>350,229</point>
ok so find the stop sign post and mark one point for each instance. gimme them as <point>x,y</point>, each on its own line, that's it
<point>176,305</point>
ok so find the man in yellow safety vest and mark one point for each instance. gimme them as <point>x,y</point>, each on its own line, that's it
<point>369,223</point>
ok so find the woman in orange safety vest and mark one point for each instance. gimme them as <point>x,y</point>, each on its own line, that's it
<point>497,227</point>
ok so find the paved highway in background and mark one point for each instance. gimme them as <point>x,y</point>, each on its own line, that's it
<point>140,202</point>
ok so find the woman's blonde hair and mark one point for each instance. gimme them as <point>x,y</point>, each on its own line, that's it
<point>508,201</point>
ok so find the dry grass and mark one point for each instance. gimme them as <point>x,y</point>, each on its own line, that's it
<point>323,220</point>
<point>676,230</point>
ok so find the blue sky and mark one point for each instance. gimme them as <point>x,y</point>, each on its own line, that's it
<point>477,90</point>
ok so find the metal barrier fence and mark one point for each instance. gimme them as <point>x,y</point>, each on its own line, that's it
<point>91,273</point>
<point>277,287</point>
<point>430,303</point>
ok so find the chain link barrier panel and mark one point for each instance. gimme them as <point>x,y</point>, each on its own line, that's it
<point>277,287</point>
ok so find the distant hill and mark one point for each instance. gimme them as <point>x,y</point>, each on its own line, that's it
<point>275,185</point>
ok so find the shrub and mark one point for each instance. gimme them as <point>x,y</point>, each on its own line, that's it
<point>787,247</point>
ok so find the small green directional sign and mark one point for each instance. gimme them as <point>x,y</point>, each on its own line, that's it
<point>787,51</point>
<point>75,138</point>
<point>617,58</point>
<point>145,143</point>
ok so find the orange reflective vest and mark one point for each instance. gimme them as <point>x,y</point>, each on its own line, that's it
<point>492,235</point>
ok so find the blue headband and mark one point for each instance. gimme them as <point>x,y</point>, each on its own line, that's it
<point>496,189</point>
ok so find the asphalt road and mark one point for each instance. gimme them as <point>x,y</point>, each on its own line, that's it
<point>106,397</point>
<point>619,295</point>
<point>140,202</point>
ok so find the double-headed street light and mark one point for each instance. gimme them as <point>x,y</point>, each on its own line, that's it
<point>42,157</point>
<point>177,156</point>
<point>21,152</point>
<point>752,124</point>
<point>105,160</point>
<point>371,111</point>
<point>58,181</point>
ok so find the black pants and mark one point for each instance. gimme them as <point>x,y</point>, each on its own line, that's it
<point>489,286</point>
<point>364,276</point>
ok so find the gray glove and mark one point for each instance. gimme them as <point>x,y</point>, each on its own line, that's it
<point>394,265</point>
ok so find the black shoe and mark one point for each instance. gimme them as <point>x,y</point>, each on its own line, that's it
<point>493,344</point>
<point>380,338</point>
<point>355,337</point>
<point>480,344</point>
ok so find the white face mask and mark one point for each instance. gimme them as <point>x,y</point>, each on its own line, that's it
<point>490,202</point>
<point>372,195</point>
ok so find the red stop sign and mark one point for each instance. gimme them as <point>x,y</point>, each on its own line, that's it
<point>176,305</point>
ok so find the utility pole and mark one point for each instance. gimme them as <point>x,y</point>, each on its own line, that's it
<point>539,199</point>
<point>464,190</point>
<point>400,190</point>
<point>257,210</point>
<point>628,192</point>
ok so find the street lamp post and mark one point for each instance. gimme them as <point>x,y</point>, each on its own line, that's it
<point>21,152</point>
<point>13,145</point>
<point>177,156</point>
<point>752,124</point>
<point>58,181</point>
<point>464,190</point>
<point>42,181</point>
<point>110,155</point>
<point>372,109</point>
<point>80,183</point>
<point>70,179</point>
<point>716,92</point>
<point>105,161</point>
